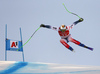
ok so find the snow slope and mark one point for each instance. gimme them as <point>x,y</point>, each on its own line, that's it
<point>11,67</point>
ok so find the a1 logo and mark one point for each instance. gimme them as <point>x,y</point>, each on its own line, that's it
<point>13,44</point>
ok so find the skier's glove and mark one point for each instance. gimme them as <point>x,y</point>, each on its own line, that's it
<point>42,25</point>
<point>81,19</point>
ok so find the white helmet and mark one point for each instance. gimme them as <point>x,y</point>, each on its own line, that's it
<point>63,28</point>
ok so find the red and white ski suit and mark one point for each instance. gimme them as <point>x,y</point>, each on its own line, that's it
<point>66,36</point>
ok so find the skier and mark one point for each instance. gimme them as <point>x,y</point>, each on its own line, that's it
<point>63,31</point>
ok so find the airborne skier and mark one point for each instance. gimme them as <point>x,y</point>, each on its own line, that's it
<point>63,31</point>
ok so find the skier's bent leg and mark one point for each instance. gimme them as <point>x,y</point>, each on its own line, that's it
<point>66,45</point>
<point>80,44</point>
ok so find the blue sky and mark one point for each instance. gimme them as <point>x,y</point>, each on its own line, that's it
<point>45,45</point>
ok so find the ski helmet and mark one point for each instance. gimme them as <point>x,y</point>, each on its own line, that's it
<point>63,28</point>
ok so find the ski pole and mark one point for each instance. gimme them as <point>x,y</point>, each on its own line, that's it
<point>71,12</point>
<point>29,39</point>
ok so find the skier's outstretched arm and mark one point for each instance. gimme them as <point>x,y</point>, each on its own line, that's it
<point>49,27</point>
<point>76,22</point>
